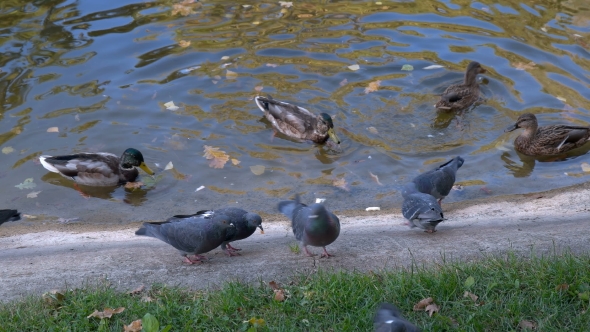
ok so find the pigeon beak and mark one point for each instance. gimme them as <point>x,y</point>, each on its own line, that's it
<point>260,226</point>
<point>333,136</point>
<point>146,168</point>
<point>511,128</point>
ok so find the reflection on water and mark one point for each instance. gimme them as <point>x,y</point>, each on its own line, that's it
<point>101,72</point>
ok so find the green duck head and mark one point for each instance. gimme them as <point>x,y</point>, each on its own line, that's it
<point>327,119</point>
<point>133,158</point>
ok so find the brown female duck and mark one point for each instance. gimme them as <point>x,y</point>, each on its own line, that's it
<point>459,96</point>
<point>547,140</point>
<point>297,122</point>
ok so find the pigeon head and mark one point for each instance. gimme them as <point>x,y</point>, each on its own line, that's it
<point>254,220</point>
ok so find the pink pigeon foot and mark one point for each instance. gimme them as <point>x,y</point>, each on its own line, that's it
<point>231,253</point>
<point>229,247</point>
<point>196,259</point>
<point>309,254</point>
<point>325,254</point>
<point>430,231</point>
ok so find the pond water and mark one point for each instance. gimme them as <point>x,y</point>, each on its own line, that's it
<point>102,71</point>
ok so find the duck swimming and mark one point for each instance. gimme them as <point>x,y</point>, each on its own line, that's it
<point>460,96</point>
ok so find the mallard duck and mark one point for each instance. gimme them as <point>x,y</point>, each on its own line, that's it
<point>98,169</point>
<point>459,96</point>
<point>297,122</point>
<point>547,140</point>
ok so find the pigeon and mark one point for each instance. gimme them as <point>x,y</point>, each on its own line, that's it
<point>422,210</point>
<point>9,215</point>
<point>389,319</point>
<point>312,225</point>
<point>439,182</point>
<point>245,222</point>
<point>191,234</point>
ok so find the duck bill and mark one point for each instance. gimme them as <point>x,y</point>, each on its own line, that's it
<point>333,136</point>
<point>511,128</point>
<point>146,168</point>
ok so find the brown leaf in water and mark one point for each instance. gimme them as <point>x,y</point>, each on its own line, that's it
<point>423,304</point>
<point>376,178</point>
<point>135,326</point>
<point>562,287</point>
<point>106,313</point>
<point>523,66</point>
<point>235,161</point>
<point>373,86</point>
<point>180,176</point>
<point>304,15</point>
<point>217,158</point>
<point>527,324</point>
<point>257,169</point>
<point>133,185</point>
<point>341,183</point>
<point>184,43</point>
<point>137,290</point>
<point>432,308</point>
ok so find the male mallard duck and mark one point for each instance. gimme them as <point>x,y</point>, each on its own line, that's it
<point>98,169</point>
<point>547,140</point>
<point>296,121</point>
<point>459,96</point>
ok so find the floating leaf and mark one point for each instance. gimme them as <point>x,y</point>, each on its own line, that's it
<point>373,208</point>
<point>470,281</point>
<point>180,8</point>
<point>230,75</point>
<point>170,106</point>
<point>27,184</point>
<point>561,99</point>
<point>200,188</point>
<point>373,86</point>
<point>354,67</point>
<point>343,82</point>
<point>133,185</point>
<point>7,150</point>
<point>527,324</point>
<point>106,313</point>
<point>286,4</point>
<point>150,323</point>
<point>246,6</point>
<point>169,166</point>
<point>471,295</point>
<point>257,169</point>
<point>432,308</point>
<point>184,43</point>
<point>423,303</point>
<point>408,67</point>
<point>523,66</point>
<point>225,57</point>
<point>373,130</point>
<point>180,176</point>
<point>235,161</point>
<point>33,194</point>
<point>341,183</point>
<point>433,67</point>
<point>135,326</point>
<point>272,65</point>
<point>53,130</point>
<point>376,178</point>
<point>217,158</point>
<point>585,167</point>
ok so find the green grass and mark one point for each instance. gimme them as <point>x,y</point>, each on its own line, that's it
<point>510,290</point>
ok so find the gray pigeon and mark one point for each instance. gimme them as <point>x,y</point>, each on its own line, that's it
<point>389,319</point>
<point>9,215</point>
<point>245,222</point>
<point>421,209</point>
<point>312,225</point>
<point>191,234</point>
<point>439,182</point>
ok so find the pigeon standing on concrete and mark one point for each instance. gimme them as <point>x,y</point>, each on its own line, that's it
<point>389,319</point>
<point>191,235</point>
<point>312,225</point>
<point>9,215</point>
<point>245,222</point>
<point>439,182</point>
<point>422,210</point>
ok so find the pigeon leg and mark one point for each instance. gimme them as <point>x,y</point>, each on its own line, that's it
<point>430,231</point>
<point>231,253</point>
<point>193,260</point>
<point>229,247</point>
<point>307,252</point>
<point>325,254</point>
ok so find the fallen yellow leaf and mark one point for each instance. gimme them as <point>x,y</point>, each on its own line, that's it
<point>217,158</point>
<point>235,161</point>
<point>373,86</point>
<point>106,313</point>
<point>432,308</point>
<point>471,295</point>
<point>135,326</point>
<point>423,303</point>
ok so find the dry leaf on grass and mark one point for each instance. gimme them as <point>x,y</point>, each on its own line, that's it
<point>562,287</point>
<point>135,326</point>
<point>133,185</point>
<point>523,66</point>
<point>527,324</point>
<point>432,308</point>
<point>471,295</point>
<point>146,298</point>
<point>376,178</point>
<point>53,297</point>
<point>273,284</point>
<point>423,304</point>
<point>373,86</point>
<point>216,157</point>
<point>106,313</point>
<point>137,290</point>
<point>341,183</point>
<point>279,295</point>
<point>184,43</point>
